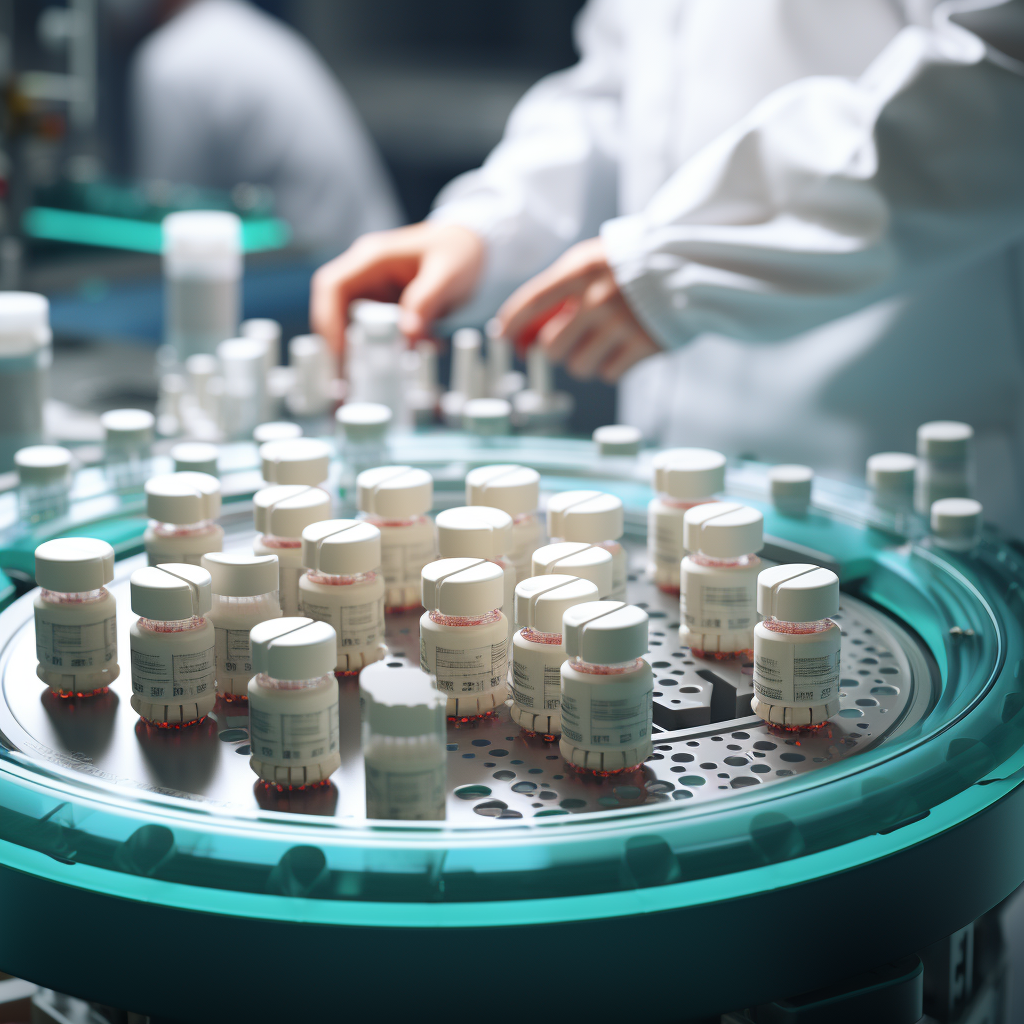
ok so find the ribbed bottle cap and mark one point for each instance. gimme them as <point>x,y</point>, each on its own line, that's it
<point>722,529</point>
<point>892,473</point>
<point>127,427</point>
<point>791,483</point>
<point>944,439</point>
<point>23,313</point>
<point>195,457</point>
<point>605,632</point>
<point>302,460</point>
<point>689,473</point>
<point>286,510</point>
<point>363,421</point>
<point>379,320</point>
<point>277,430</point>
<point>956,522</point>
<point>341,547</point>
<point>513,489</point>
<point>487,417</point>
<point>182,497</point>
<point>239,574</point>
<point>590,516</point>
<point>474,531</point>
<point>42,464</point>
<point>74,565</point>
<point>541,601</point>
<point>395,492</point>
<point>293,648</point>
<point>797,593</point>
<point>400,701</point>
<point>575,559</point>
<point>618,439</point>
<point>171,591</point>
<point>462,586</point>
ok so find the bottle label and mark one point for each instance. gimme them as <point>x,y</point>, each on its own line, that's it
<point>74,648</point>
<point>293,738</point>
<point>174,678</point>
<point>536,679</point>
<point>711,605</point>
<point>289,576</point>
<point>604,715</point>
<point>358,626</point>
<point>465,671</point>
<point>666,544</point>
<point>405,795</point>
<point>401,563</point>
<point>804,674</point>
<point>233,651</point>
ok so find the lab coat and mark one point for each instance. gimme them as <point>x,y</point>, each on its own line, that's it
<point>816,209</point>
<point>224,93</point>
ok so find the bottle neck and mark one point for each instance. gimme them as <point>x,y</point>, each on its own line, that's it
<point>465,620</point>
<point>524,518</point>
<point>270,541</point>
<point>182,529</point>
<point>380,521</point>
<point>79,597</point>
<point>537,637</point>
<point>172,625</point>
<point>781,626</point>
<point>682,503</point>
<point>332,580</point>
<point>613,669</point>
<point>742,562</point>
<point>288,684</point>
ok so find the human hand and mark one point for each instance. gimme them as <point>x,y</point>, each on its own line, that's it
<point>427,268</point>
<point>576,311</point>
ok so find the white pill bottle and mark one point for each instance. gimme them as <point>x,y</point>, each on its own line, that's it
<point>404,743</point>
<point>607,688</point>
<point>244,595</point>
<point>343,585</point>
<point>573,558</point>
<point>796,646</point>
<point>718,579</point>
<point>172,645</point>
<point>293,703</point>
<point>592,517</point>
<point>464,634</point>
<point>396,499</point>
<point>516,491</point>
<point>183,508</point>
<point>944,466</point>
<point>75,616</point>
<point>538,651</point>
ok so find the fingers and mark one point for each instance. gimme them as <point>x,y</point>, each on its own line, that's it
<point>635,348</point>
<point>593,351</point>
<point>596,309</point>
<point>446,277</point>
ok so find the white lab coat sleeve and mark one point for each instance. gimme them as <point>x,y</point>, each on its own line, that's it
<point>833,193</point>
<point>552,179</point>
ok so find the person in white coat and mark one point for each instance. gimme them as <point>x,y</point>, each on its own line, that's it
<point>223,93</point>
<point>797,225</point>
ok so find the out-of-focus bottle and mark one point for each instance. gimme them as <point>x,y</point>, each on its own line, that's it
<point>466,381</point>
<point>487,417</point>
<point>362,440</point>
<point>276,430</point>
<point>195,457</point>
<point>570,558</point>
<point>515,490</point>
<point>944,468</point>
<point>540,409</point>
<point>128,443</point>
<point>618,441</point>
<point>26,352</point>
<point>44,482</point>
<point>313,374</point>
<point>890,476</point>
<point>791,489</point>
<point>243,363</point>
<point>303,460</point>
<point>376,347</point>
<point>592,517</point>
<point>183,508</point>
<point>956,523</point>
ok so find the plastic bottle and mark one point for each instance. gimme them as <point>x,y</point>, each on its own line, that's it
<point>244,595</point>
<point>421,385</point>
<point>374,355</point>
<point>172,645</point>
<point>396,500</point>
<point>195,457</point>
<point>344,586</point>
<point>515,490</point>
<point>718,592</point>
<point>790,487</point>
<point>243,365</point>
<point>293,703</point>
<point>313,375</point>
<point>592,517</point>
<point>75,616</point>
<point>538,651</point>
<point>466,380</point>
<point>302,460</point>
<point>404,743</point>
<point>956,523</point>
<point>202,255</point>
<point>183,508</point>
<point>276,430</point>
<point>539,408</point>
<point>683,477</point>
<point>362,429</point>
<point>487,417</point>
<point>26,352</point>
<point>464,634</point>
<point>570,558</point>
<point>796,646</point>
<point>618,441</point>
<point>607,688</point>
<point>944,468</point>
<point>280,514</point>
<point>44,482</point>
<point>890,476</point>
<point>269,332</point>
<point>128,441</point>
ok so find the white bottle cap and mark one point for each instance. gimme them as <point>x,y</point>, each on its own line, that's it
<point>182,498</point>
<point>278,430</point>
<point>722,529</point>
<point>400,701</point>
<point>301,460</point>
<point>127,428</point>
<point>203,241</point>
<point>487,417</point>
<point>341,547</point>
<point>286,510</point>
<point>23,314</point>
<point>74,565</point>
<point>394,492</point>
<point>513,489</point>
<point>474,531</point>
<point>541,601</point>
<point>293,648</point>
<point>574,559</point>
<point>42,464</point>
<point>363,421</point>
<point>944,439</point>
<point>261,327</point>
<point>379,320</point>
<point>240,574</point>
<point>462,586</point>
<point>242,355</point>
<point>171,591</point>
<point>195,457</point>
<point>956,522</point>
<point>688,474</point>
<point>797,593</point>
<point>618,439</point>
<point>590,516</point>
<point>791,484</point>
<point>892,473</point>
<point>605,632</point>
<point>201,366</point>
